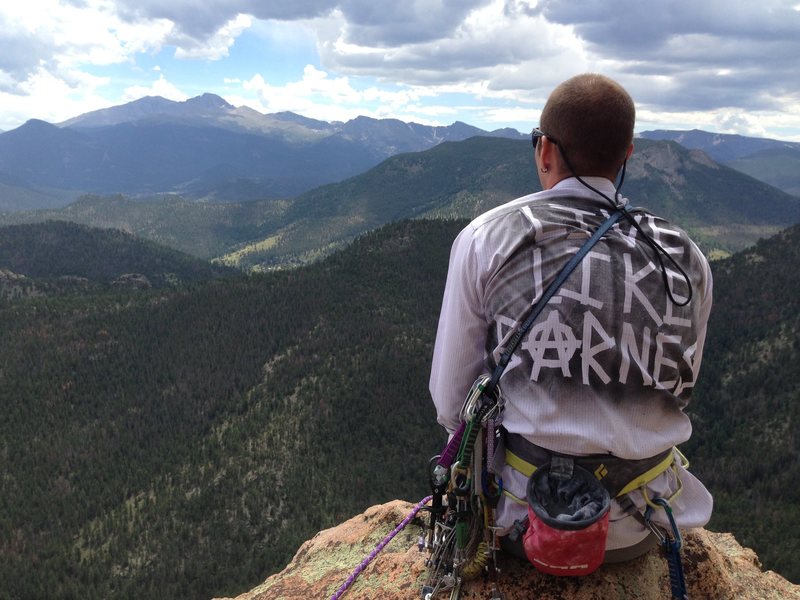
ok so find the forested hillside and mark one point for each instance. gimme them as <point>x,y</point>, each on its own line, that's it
<point>183,441</point>
<point>61,249</point>
<point>747,408</point>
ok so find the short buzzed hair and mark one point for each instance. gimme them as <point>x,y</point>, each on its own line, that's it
<point>591,117</point>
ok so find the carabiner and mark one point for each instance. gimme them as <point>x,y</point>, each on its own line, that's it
<point>472,403</point>
<point>676,534</point>
<point>655,529</point>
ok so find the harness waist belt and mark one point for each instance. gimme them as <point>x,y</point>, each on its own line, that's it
<point>618,475</point>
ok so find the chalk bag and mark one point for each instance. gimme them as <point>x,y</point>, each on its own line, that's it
<point>568,519</point>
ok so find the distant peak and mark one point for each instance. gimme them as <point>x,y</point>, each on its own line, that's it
<point>35,126</point>
<point>208,100</point>
<point>287,115</point>
<point>461,126</point>
<point>151,100</point>
<point>290,117</point>
<point>38,123</point>
<point>147,103</point>
<point>362,119</point>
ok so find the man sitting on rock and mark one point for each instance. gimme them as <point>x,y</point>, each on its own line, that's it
<point>608,367</point>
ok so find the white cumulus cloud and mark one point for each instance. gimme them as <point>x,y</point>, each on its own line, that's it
<point>492,57</point>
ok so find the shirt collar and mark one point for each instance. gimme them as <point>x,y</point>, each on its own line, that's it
<point>575,188</point>
<point>572,184</point>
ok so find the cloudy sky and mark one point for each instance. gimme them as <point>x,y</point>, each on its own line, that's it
<point>730,66</point>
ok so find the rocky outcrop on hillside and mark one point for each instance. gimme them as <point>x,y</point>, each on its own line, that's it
<point>132,281</point>
<point>14,285</point>
<point>716,567</point>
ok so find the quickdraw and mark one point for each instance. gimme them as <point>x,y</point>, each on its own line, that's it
<point>671,543</point>
<point>462,538</point>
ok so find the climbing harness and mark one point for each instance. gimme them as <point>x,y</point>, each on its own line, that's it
<point>619,476</point>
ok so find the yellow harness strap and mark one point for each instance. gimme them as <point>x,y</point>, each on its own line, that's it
<point>519,464</point>
<point>640,482</point>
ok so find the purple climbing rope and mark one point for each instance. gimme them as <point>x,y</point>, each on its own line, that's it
<point>378,548</point>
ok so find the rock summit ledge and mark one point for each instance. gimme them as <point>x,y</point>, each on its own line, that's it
<point>715,565</point>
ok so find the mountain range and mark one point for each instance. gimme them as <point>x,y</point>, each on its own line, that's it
<point>207,149</point>
<point>203,148</point>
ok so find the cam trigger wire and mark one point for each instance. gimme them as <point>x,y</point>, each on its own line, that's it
<point>659,252</point>
<point>655,246</point>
